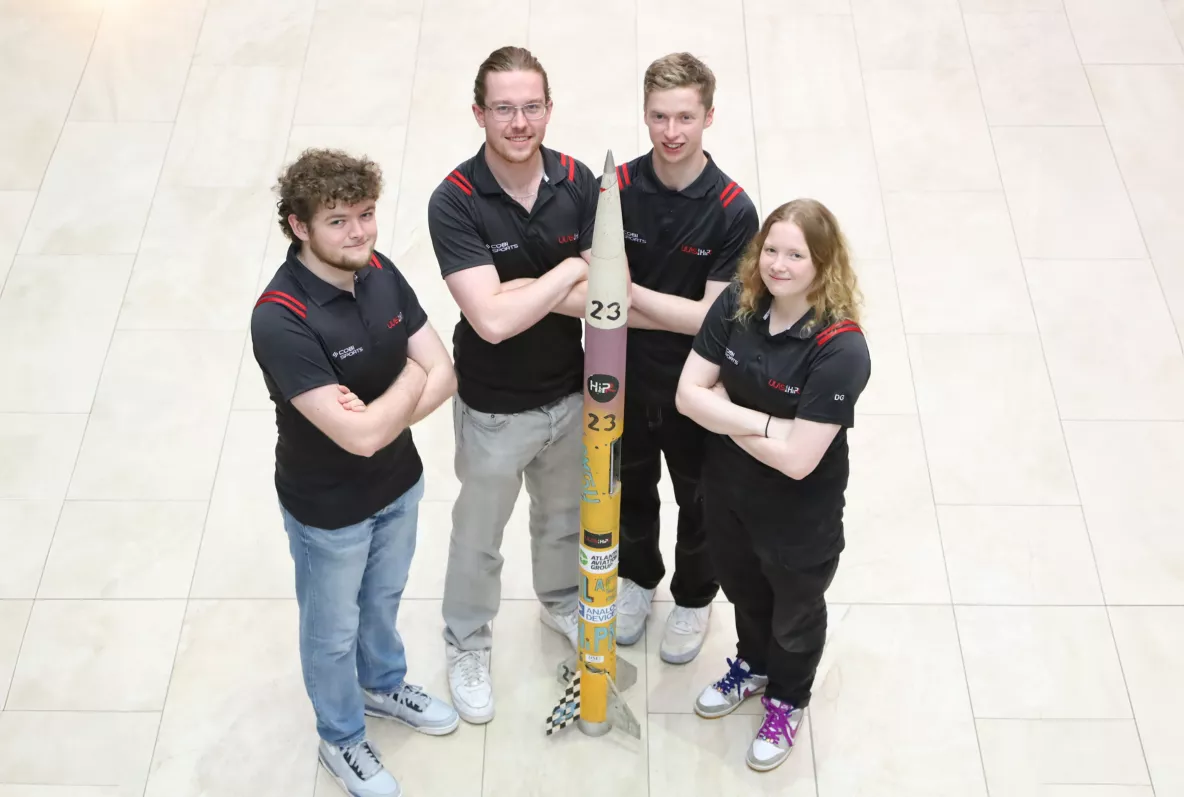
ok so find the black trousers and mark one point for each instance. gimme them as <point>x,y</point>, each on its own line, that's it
<point>652,430</point>
<point>780,608</point>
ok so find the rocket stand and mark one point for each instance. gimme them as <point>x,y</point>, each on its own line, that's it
<point>595,677</point>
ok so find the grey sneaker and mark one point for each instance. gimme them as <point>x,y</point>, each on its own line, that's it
<point>358,770</point>
<point>414,708</point>
<point>774,741</point>
<point>725,695</point>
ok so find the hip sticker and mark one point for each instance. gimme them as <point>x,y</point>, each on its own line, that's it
<point>595,562</point>
<point>598,539</point>
<point>603,388</point>
<point>598,614</point>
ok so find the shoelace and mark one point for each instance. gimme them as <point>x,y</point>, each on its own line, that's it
<point>776,724</point>
<point>362,760</point>
<point>413,697</point>
<point>685,621</point>
<point>736,676</point>
<point>470,668</point>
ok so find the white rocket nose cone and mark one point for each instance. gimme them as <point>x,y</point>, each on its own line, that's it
<point>609,165</point>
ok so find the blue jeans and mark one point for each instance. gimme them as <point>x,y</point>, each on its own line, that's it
<point>349,583</point>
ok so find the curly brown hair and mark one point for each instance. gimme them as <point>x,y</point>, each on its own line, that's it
<point>835,294</point>
<point>324,177</point>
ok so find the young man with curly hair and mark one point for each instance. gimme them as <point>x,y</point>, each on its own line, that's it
<point>512,231</point>
<point>351,363</point>
<point>686,226</point>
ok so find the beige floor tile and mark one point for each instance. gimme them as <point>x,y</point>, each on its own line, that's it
<point>1066,195</point>
<point>59,312</point>
<point>33,119</point>
<point>37,454</point>
<point>236,686</point>
<point>1133,514</point>
<point>674,687</point>
<point>137,68</point>
<point>105,749</point>
<point>15,208</point>
<point>893,552</point>
<point>694,757</point>
<point>890,390</point>
<point>232,127</point>
<point>26,528</point>
<point>956,263</point>
<point>930,131</point>
<point>1041,663</point>
<point>1123,31</point>
<point>829,95</point>
<point>1010,6</point>
<point>14,616</point>
<point>1150,375</point>
<point>1143,108</point>
<point>159,416</point>
<point>198,262</point>
<point>991,429</point>
<point>1029,70</point>
<point>1151,646</point>
<point>1023,555</point>
<point>96,656</point>
<point>244,550</point>
<point>333,51</point>
<point>115,549</point>
<point>254,33</point>
<point>1026,758</point>
<point>520,760</point>
<point>891,715</point>
<point>914,34</point>
<point>97,189</point>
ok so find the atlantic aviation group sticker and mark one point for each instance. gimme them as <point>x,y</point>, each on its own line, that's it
<point>603,388</point>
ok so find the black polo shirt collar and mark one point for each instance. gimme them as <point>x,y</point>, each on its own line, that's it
<point>317,289</point>
<point>555,170</point>
<point>798,329</point>
<point>699,188</point>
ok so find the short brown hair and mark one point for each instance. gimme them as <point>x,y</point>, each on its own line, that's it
<point>679,70</point>
<point>324,177</point>
<point>835,294</point>
<point>508,59</point>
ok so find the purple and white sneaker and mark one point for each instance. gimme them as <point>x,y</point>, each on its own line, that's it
<point>774,740</point>
<point>725,695</point>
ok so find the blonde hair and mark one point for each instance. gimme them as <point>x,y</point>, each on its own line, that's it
<point>679,70</point>
<point>834,294</point>
<point>509,59</point>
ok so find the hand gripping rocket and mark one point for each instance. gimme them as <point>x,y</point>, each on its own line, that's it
<point>595,678</point>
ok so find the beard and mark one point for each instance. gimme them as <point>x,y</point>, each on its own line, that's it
<point>351,262</point>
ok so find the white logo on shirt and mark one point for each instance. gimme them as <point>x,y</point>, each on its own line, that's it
<point>634,237</point>
<point>504,246</point>
<point>731,355</point>
<point>348,351</point>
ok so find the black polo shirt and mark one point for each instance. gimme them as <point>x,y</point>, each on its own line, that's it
<point>474,222</point>
<point>811,371</point>
<point>307,333</point>
<point>676,241</point>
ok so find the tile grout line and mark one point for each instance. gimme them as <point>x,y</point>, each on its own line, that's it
<point>407,137</point>
<point>916,393</point>
<point>756,150</point>
<point>77,454</point>
<point>1084,516</point>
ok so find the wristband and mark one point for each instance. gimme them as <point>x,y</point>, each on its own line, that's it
<point>767,422</point>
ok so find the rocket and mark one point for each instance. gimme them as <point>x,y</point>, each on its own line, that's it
<point>595,678</point>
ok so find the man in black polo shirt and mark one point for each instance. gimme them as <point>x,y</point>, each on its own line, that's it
<point>512,229</point>
<point>686,225</point>
<point>351,362</point>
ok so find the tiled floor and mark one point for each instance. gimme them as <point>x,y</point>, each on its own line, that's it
<point>1009,615</point>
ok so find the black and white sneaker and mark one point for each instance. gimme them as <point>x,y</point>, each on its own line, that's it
<point>358,770</point>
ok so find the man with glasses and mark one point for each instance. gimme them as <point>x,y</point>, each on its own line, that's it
<point>512,231</point>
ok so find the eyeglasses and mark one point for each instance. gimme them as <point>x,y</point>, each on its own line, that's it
<point>504,113</point>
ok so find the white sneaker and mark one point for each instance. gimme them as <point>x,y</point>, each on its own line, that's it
<point>686,629</point>
<point>566,624</point>
<point>633,607</point>
<point>470,684</point>
<point>358,770</point>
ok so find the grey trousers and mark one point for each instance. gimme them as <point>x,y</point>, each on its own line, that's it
<point>493,454</point>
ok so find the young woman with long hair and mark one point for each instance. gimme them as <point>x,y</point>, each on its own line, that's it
<point>774,373</point>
